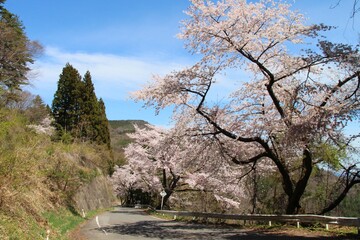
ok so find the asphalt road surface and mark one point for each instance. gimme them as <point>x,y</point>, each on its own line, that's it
<point>134,224</point>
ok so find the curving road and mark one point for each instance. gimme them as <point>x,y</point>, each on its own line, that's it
<point>134,224</point>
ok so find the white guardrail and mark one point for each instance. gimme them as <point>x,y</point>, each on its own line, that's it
<point>303,218</point>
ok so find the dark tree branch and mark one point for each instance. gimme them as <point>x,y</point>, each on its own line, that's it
<point>350,180</point>
<point>250,160</point>
<point>338,86</point>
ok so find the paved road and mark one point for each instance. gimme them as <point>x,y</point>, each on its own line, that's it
<point>134,224</point>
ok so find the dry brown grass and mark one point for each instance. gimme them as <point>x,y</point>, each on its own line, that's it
<point>38,175</point>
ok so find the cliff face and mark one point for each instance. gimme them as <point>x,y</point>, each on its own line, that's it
<point>97,194</point>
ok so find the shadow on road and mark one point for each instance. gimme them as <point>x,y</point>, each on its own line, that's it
<point>128,212</point>
<point>178,230</point>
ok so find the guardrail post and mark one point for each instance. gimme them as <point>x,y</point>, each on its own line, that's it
<point>326,220</point>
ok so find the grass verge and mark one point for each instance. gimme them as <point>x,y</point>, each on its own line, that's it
<point>64,221</point>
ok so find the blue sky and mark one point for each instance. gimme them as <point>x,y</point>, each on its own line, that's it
<point>123,42</point>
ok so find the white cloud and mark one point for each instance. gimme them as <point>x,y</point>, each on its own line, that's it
<point>114,76</point>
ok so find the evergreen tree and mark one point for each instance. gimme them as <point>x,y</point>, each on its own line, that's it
<point>66,106</point>
<point>37,111</point>
<point>77,110</point>
<point>16,53</point>
<point>90,109</point>
<point>103,126</point>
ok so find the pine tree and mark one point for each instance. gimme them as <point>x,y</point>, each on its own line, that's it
<point>16,53</point>
<point>66,106</point>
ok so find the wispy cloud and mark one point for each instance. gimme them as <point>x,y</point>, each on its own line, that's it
<point>114,76</point>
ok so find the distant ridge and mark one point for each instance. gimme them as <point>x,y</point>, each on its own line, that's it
<point>125,126</point>
<point>119,138</point>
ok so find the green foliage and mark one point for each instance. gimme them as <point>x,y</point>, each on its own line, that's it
<point>37,110</point>
<point>90,110</point>
<point>77,111</point>
<point>68,99</point>
<point>350,206</point>
<point>270,195</point>
<point>103,126</point>
<point>330,154</point>
<point>66,137</point>
<point>16,53</point>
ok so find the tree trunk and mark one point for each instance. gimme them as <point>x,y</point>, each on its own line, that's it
<point>169,187</point>
<point>255,190</point>
<point>293,206</point>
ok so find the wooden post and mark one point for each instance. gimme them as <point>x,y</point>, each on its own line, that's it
<point>269,223</point>
<point>298,224</point>
<point>327,227</point>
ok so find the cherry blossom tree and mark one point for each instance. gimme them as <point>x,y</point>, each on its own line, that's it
<point>153,167</point>
<point>291,103</point>
<point>162,160</point>
<point>125,181</point>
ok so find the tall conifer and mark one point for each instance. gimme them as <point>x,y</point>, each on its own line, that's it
<point>90,109</point>
<point>66,106</point>
<point>76,109</point>
<point>103,127</point>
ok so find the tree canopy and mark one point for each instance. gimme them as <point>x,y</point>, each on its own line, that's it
<point>158,160</point>
<point>17,52</point>
<point>292,104</point>
<point>76,109</point>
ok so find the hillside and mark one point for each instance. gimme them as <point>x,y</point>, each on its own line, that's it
<point>119,139</point>
<point>40,178</point>
<point>126,126</point>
